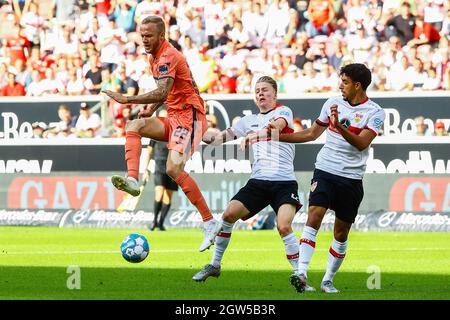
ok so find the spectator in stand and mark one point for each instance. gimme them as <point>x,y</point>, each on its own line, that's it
<point>64,11</point>
<point>119,128</point>
<point>396,79</point>
<point>244,82</point>
<point>124,15</point>
<point>66,126</point>
<point>320,15</point>
<point>67,43</point>
<point>111,41</point>
<point>146,8</point>
<point>434,12</point>
<point>222,83</point>
<point>197,33</point>
<point>74,86</point>
<point>328,80</point>
<point>240,36</point>
<point>3,74</point>
<point>418,74</point>
<point>301,48</point>
<point>50,85</point>
<point>109,82</point>
<point>34,88</point>
<point>291,80</point>
<point>127,85</point>
<point>402,25</point>
<point>213,21</point>
<point>432,81</point>
<point>12,88</point>
<point>38,130</point>
<point>88,123</point>
<point>93,77</point>
<point>21,71</point>
<point>309,82</point>
<point>32,23</point>
<point>421,127</point>
<point>439,129</point>
<point>279,19</point>
<point>175,37</point>
<point>16,46</point>
<point>424,33</point>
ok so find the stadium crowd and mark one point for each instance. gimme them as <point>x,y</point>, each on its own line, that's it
<point>79,47</point>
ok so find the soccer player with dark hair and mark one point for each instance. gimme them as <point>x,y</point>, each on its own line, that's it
<point>352,121</point>
<point>272,181</point>
<point>183,128</point>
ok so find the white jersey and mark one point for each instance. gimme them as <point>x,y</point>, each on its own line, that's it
<point>273,160</point>
<point>338,156</point>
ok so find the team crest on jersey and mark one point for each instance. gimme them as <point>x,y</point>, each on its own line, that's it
<point>358,117</point>
<point>313,186</point>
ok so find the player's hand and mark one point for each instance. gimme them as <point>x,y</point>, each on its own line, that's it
<point>116,96</point>
<point>209,137</point>
<point>146,111</point>
<point>249,139</point>
<point>334,116</point>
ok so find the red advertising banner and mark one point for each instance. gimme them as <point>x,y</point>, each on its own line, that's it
<point>63,192</point>
<point>420,194</point>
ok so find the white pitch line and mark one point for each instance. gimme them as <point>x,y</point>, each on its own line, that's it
<point>183,250</point>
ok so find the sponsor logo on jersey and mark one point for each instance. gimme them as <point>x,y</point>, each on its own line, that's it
<point>345,122</point>
<point>164,69</point>
<point>313,186</point>
<point>378,123</point>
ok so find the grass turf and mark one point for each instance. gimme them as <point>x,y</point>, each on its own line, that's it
<point>34,262</point>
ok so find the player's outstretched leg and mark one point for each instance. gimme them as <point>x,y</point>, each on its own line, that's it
<point>135,129</point>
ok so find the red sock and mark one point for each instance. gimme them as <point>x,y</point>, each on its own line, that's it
<point>133,150</point>
<point>194,195</point>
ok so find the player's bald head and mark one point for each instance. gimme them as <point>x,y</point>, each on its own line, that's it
<point>158,21</point>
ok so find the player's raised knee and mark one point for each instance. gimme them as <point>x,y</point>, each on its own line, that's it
<point>135,125</point>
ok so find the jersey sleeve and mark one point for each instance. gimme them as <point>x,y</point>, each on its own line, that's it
<point>286,114</point>
<point>323,119</point>
<point>167,67</point>
<point>238,130</point>
<point>375,123</point>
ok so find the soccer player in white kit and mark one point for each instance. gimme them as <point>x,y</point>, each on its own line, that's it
<point>272,181</point>
<point>352,121</point>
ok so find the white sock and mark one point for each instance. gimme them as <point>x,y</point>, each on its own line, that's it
<point>291,247</point>
<point>306,249</point>
<point>221,243</point>
<point>132,179</point>
<point>336,256</point>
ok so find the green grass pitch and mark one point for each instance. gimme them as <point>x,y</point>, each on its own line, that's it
<point>34,262</point>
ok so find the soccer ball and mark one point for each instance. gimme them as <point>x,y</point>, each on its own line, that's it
<point>135,248</point>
